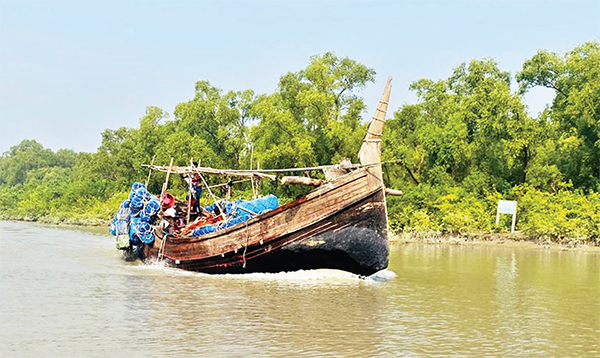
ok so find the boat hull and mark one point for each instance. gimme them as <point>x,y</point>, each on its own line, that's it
<point>351,240</point>
<point>343,226</point>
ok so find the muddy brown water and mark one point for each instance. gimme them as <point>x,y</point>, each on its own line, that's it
<point>66,292</point>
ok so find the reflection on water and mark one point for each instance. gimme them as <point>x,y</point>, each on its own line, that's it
<point>67,292</point>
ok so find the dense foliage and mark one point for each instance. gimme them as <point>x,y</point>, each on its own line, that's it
<point>468,142</point>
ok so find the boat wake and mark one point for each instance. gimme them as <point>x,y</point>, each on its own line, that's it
<point>318,276</point>
<point>301,275</point>
<point>382,276</point>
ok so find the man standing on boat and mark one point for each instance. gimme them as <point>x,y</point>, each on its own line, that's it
<point>195,183</point>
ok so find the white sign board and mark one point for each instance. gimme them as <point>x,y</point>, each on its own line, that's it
<point>507,207</point>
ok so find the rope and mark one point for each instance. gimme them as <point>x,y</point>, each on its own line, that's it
<point>224,184</point>
<point>374,134</point>
<point>321,167</point>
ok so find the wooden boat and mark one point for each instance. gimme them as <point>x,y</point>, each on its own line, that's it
<point>342,224</point>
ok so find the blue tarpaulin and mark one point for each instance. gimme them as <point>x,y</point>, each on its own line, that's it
<point>236,214</point>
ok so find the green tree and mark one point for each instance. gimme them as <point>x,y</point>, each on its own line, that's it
<point>314,116</point>
<point>575,111</point>
<point>468,128</point>
<point>220,123</point>
<point>149,136</point>
<point>29,155</point>
<point>115,158</point>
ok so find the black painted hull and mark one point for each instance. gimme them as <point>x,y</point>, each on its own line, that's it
<point>353,239</point>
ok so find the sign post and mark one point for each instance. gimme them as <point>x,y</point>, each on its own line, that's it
<point>507,207</point>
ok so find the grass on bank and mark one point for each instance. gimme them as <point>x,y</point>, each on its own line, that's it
<point>424,211</point>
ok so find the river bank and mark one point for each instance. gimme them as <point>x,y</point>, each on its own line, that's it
<point>58,220</point>
<point>516,239</point>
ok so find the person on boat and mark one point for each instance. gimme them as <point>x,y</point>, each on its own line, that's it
<point>168,201</point>
<point>195,183</point>
<point>197,189</point>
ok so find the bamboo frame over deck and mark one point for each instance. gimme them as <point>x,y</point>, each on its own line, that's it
<point>260,172</point>
<point>205,170</point>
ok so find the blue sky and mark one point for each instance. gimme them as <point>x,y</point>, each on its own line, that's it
<point>70,69</point>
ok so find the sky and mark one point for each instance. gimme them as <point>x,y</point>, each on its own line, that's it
<point>71,69</point>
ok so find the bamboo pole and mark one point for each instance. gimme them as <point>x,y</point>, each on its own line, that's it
<point>248,211</point>
<point>224,184</point>
<point>150,171</point>
<point>223,172</point>
<point>257,179</point>
<point>189,206</point>
<point>251,157</point>
<point>393,192</point>
<point>164,187</point>
<point>229,189</point>
<point>252,177</point>
<point>262,172</point>
<point>161,249</point>
<point>210,192</point>
<point>302,181</point>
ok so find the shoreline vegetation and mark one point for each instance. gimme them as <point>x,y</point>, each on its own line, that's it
<point>59,221</point>
<point>516,240</point>
<point>466,143</point>
<point>504,239</point>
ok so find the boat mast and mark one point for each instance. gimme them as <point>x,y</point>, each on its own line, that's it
<point>370,151</point>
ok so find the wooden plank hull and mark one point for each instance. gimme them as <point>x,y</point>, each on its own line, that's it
<point>342,225</point>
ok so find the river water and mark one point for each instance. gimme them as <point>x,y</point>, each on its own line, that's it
<point>67,293</point>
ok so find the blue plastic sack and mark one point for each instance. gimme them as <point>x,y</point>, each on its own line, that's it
<point>138,196</point>
<point>122,227</point>
<point>141,227</point>
<point>134,214</point>
<point>113,227</point>
<point>133,240</point>
<point>258,206</point>
<point>134,189</point>
<point>132,233</point>
<point>203,230</point>
<point>150,209</point>
<point>124,210</point>
<point>236,220</point>
<point>118,227</point>
<point>137,203</point>
<point>146,239</point>
<point>143,193</point>
<point>140,231</point>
